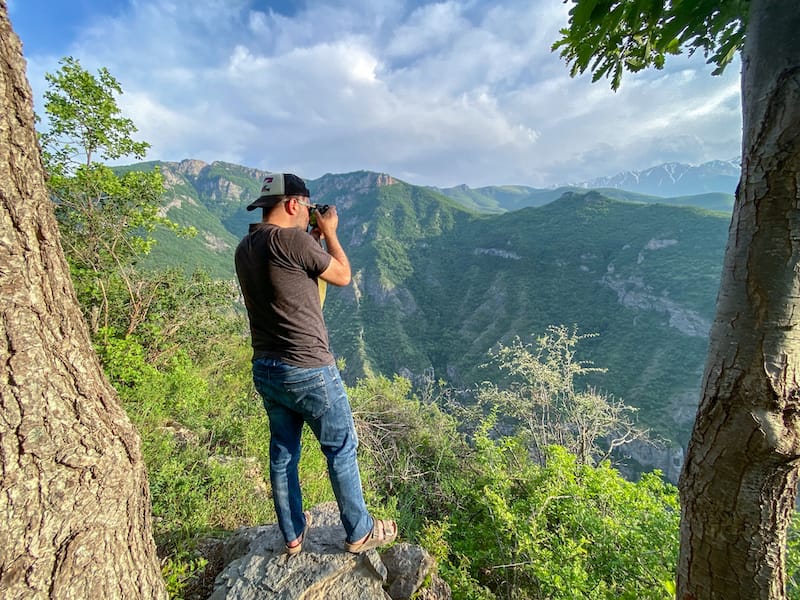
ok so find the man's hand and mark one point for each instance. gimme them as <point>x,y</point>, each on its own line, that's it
<point>316,233</point>
<point>338,272</point>
<point>327,222</point>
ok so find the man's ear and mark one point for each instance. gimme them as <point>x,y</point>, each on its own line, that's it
<point>290,206</point>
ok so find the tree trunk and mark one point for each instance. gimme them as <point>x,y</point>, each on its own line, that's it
<point>74,502</point>
<point>738,484</point>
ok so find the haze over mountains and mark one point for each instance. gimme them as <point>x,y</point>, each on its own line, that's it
<point>443,275</point>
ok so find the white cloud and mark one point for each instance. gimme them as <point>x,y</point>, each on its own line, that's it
<point>439,93</point>
<point>428,29</point>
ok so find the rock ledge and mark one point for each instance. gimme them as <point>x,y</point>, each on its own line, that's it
<point>259,569</point>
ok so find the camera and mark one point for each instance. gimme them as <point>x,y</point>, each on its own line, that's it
<point>317,208</point>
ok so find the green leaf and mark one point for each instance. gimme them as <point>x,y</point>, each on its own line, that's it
<point>635,34</point>
<point>582,12</point>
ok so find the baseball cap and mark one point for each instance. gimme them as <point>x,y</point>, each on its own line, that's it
<point>276,186</point>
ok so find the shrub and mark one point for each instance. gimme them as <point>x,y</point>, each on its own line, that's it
<point>563,530</point>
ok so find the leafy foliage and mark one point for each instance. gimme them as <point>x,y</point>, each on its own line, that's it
<point>84,120</point>
<point>203,442</point>
<point>609,37</point>
<point>502,524</point>
<point>411,448</point>
<point>544,403</point>
<point>564,530</point>
<point>166,338</point>
<point>105,220</point>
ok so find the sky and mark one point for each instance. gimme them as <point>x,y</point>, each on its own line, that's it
<point>432,93</point>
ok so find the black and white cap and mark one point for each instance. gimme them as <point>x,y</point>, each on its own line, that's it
<point>276,186</point>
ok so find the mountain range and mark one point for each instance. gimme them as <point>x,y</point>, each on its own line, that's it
<point>441,276</point>
<point>675,179</point>
<point>708,185</point>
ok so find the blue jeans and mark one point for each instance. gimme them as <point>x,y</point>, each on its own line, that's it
<point>296,395</point>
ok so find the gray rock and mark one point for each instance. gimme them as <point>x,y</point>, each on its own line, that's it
<point>406,566</point>
<point>259,569</point>
<point>436,590</point>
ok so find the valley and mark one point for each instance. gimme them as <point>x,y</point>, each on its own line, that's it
<point>437,283</point>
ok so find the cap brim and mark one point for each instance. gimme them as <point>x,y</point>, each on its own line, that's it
<point>265,202</point>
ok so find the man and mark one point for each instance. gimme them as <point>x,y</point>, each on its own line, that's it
<point>278,264</point>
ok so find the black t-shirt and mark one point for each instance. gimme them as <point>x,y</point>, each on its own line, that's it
<point>277,269</point>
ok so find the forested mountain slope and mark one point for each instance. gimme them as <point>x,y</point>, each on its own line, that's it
<point>436,285</point>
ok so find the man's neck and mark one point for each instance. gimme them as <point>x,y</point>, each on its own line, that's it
<point>278,220</point>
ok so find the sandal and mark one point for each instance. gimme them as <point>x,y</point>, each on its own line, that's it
<point>383,532</point>
<point>292,550</point>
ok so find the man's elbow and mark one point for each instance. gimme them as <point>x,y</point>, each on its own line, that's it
<point>337,275</point>
<point>342,280</point>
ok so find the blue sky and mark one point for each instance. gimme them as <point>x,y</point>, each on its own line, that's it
<point>440,93</point>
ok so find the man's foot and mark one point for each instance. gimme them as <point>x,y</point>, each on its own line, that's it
<point>295,546</point>
<point>383,532</point>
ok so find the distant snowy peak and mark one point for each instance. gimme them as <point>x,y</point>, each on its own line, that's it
<point>675,179</point>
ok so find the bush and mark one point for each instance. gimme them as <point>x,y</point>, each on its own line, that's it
<point>410,451</point>
<point>565,530</point>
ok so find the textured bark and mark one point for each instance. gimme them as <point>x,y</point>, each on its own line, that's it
<point>74,502</point>
<point>738,484</point>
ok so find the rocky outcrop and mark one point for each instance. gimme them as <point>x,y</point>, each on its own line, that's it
<point>212,242</point>
<point>215,181</point>
<point>497,252</point>
<point>191,167</point>
<point>258,568</point>
<point>665,457</point>
<point>634,293</point>
<point>344,187</point>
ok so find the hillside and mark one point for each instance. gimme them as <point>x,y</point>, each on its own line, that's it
<point>644,277</point>
<point>212,198</point>
<point>436,285</point>
<point>499,199</point>
<point>710,185</point>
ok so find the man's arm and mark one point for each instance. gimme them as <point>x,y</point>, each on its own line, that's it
<point>338,271</point>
